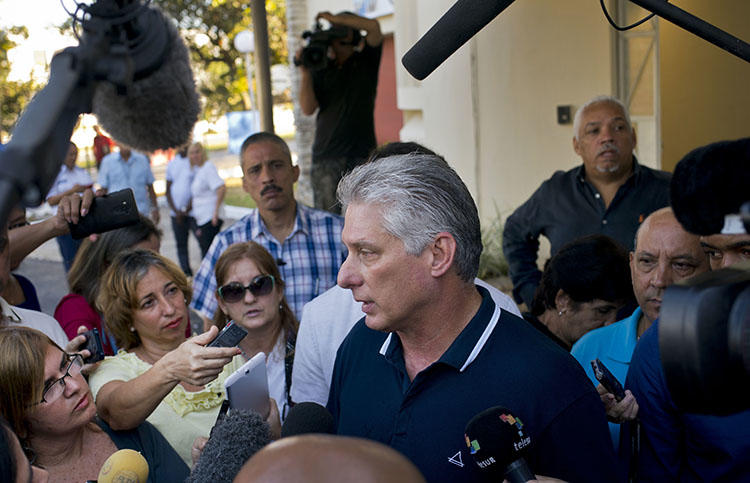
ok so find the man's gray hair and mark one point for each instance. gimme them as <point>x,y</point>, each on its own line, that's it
<point>598,100</point>
<point>420,196</point>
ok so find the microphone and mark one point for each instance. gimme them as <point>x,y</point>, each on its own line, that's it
<point>159,107</point>
<point>280,262</point>
<point>124,465</point>
<point>238,436</point>
<point>464,19</point>
<point>306,418</point>
<point>710,185</point>
<point>497,441</point>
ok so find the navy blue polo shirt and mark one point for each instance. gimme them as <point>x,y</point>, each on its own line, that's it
<point>497,360</point>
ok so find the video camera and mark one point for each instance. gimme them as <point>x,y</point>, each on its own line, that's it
<point>315,53</point>
<point>704,324</point>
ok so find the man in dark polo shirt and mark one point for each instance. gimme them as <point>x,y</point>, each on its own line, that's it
<point>433,349</point>
<point>610,194</point>
<point>344,94</point>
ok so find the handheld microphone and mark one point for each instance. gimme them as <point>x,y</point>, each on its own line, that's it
<point>496,439</point>
<point>464,19</point>
<point>158,108</point>
<point>306,418</point>
<point>238,436</point>
<point>124,465</point>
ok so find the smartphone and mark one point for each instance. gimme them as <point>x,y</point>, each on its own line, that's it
<point>108,212</point>
<point>247,387</point>
<point>607,380</point>
<point>94,346</point>
<point>230,336</point>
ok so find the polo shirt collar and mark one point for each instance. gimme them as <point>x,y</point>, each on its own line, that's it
<point>301,223</point>
<point>469,342</point>
<point>8,311</point>
<point>621,348</point>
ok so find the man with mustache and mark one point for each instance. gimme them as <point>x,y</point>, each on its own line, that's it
<point>610,194</point>
<point>305,242</point>
<point>664,254</point>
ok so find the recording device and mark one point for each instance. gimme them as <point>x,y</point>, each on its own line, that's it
<point>93,345</point>
<point>307,418</point>
<point>315,53</point>
<point>497,441</point>
<point>108,212</point>
<point>247,387</point>
<point>230,336</point>
<point>704,323</point>
<point>124,465</point>
<point>130,68</point>
<point>236,438</point>
<point>607,379</point>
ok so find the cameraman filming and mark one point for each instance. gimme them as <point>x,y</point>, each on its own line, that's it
<point>342,87</point>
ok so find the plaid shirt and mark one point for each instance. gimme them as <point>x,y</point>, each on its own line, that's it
<point>312,255</point>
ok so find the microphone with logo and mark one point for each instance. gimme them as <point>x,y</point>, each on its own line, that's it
<point>125,465</point>
<point>497,440</point>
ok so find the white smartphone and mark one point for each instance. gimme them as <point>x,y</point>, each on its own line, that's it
<point>247,387</point>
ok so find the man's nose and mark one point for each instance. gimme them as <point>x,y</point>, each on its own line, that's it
<point>348,276</point>
<point>662,275</point>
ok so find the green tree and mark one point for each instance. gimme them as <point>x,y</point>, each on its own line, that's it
<point>14,95</point>
<point>209,27</point>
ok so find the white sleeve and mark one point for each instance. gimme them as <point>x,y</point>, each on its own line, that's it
<point>309,381</point>
<point>212,177</point>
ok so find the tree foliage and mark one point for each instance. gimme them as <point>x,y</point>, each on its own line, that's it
<point>209,27</point>
<point>14,95</point>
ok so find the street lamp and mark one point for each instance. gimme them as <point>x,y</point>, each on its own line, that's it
<point>244,42</point>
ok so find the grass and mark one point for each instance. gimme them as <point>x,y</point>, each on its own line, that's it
<point>236,196</point>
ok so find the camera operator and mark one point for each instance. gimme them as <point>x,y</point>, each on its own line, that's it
<point>342,87</point>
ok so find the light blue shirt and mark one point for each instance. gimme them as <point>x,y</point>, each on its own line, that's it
<point>613,345</point>
<point>116,174</point>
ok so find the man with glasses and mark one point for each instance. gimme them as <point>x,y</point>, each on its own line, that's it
<point>344,93</point>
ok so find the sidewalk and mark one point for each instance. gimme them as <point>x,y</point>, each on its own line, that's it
<point>45,269</point>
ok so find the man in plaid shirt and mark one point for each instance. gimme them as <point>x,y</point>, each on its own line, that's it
<point>305,242</point>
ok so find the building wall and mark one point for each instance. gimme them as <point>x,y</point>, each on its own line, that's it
<point>704,90</point>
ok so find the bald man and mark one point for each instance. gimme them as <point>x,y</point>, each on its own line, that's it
<point>318,458</point>
<point>664,254</point>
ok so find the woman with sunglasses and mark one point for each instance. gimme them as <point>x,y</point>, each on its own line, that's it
<point>48,404</point>
<point>251,294</point>
<point>158,375</point>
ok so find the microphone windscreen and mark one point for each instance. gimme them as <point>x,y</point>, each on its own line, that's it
<point>496,439</point>
<point>306,418</point>
<point>711,182</point>
<point>159,110</point>
<point>235,438</point>
<point>460,23</point>
<point>124,465</point>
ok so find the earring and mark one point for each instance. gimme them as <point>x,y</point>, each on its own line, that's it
<point>132,329</point>
<point>561,312</point>
<point>281,308</point>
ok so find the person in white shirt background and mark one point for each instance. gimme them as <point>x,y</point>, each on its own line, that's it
<point>207,191</point>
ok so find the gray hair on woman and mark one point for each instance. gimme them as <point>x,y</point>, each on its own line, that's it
<point>420,196</point>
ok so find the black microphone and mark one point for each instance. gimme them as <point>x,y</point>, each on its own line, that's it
<point>464,19</point>
<point>710,183</point>
<point>150,101</point>
<point>306,418</point>
<point>234,439</point>
<point>497,441</point>
<point>280,262</point>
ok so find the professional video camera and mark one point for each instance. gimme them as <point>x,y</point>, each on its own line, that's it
<point>704,326</point>
<point>315,53</point>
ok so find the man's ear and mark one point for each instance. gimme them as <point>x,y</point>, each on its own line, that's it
<point>295,169</point>
<point>576,146</point>
<point>443,251</point>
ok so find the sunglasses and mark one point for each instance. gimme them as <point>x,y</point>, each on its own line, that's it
<point>235,291</point>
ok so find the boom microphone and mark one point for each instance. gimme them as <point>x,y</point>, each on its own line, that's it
<point>464,19</point>
<point>497,441</point>
<point>124,465</point>
<point>306,418</point>
<point>160,107</point>
<point>234,439</point>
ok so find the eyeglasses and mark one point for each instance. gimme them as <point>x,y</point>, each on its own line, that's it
<point>235,291</point>
<point>56,388</point>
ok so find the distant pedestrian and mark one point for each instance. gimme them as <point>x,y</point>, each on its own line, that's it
<point>179,177</point>
<point>207,191</point>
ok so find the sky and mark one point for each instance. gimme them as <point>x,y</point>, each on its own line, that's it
<point>40,17</point>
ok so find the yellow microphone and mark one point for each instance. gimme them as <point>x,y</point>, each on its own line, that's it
<point>124,466</point>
